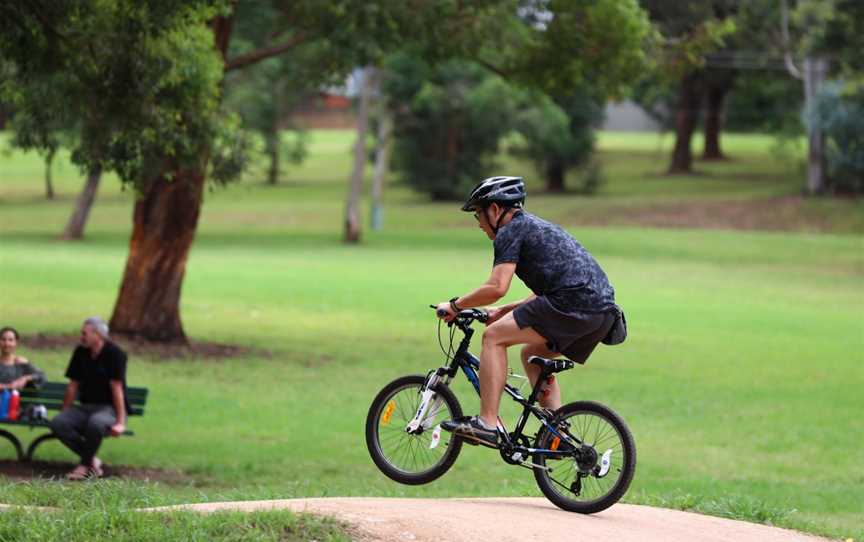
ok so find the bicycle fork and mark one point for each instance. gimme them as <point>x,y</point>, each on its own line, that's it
<point>427,409</point>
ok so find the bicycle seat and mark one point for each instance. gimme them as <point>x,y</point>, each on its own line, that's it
<point>550,366</point>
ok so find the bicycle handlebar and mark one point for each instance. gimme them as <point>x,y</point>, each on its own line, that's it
<point>465,314</point>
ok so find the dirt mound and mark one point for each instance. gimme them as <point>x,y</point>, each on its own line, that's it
<point>514,519</point>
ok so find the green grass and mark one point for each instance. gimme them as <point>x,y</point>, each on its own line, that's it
<point>104,511</point>
<point>741,380</point>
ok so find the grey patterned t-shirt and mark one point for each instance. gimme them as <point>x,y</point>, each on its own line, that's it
<point>553,264</point>
<point>14,371</point>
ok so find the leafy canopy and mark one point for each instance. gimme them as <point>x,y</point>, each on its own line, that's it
<point>140,79</point>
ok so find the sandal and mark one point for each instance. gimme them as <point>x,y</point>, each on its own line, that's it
<point>78,474</point>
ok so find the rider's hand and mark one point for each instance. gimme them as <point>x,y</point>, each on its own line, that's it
<point>495,313</point>
<point>445,306</point>
<point>117,429</point>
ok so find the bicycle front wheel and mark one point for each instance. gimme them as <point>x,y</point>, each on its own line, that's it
<point>602,464</point>
<point>412,458</point>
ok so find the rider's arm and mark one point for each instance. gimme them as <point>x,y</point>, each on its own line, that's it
<point>510,306</point>
<point>492,290</point>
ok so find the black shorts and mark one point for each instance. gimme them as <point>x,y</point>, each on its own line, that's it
<point>574,334</point>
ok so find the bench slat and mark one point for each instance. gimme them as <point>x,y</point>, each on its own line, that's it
<point>51,395</point>
<point>55,392</point>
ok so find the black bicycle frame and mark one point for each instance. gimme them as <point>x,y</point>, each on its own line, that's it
<point>470,365</point>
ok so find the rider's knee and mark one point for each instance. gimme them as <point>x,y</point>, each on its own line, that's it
<point>492,336</point>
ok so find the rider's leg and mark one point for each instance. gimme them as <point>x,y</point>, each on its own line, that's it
<point>553,399</point>
<point>493,362</point>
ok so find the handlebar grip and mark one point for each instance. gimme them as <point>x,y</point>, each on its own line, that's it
<point>439,312</point>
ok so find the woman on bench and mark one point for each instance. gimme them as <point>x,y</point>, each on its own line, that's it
<point>15,372</point>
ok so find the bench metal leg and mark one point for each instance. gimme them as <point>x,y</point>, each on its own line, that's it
<point>15,442</point>
<point>33,445</point>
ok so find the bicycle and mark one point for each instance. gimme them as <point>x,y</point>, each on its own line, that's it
<point>583,455</point>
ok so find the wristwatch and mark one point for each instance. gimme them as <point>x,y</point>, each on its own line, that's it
<point>454,306</point>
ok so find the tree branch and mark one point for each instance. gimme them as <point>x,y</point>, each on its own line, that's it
<point>491,67</point>
<point>45,23</point>
<point>787,53</point>
<point>264,52</point>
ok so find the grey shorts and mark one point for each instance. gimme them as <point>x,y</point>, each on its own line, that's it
<point>574,334</point>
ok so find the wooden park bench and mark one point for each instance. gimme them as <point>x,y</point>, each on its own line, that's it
<point>51,395</point>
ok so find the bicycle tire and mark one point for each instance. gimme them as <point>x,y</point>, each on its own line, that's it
<point>625,466</point>
<point>398,438</point>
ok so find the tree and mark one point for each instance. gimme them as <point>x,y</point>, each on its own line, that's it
<point>559,134</point>
<point>579,54</point>
<point>383,144</point>
<point>263,95</point>
<point>825,30</point>
<point>814,40</point>
<point>78,219</point>
<point>448,128</point>
<point>141,83</point>
<point>145,81</point>
<point>366,84</point>
<point>448,120</point>
<point>692,30</point>
<point>838,114</point>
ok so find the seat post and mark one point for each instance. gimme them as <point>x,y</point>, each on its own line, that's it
<point>535,391</point>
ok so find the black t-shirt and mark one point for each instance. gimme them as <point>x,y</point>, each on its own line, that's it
<point>553,264</point>
<point>94,375</point>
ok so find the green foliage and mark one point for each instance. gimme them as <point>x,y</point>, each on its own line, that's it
<point>545,129</point>
<point>141,80</point>
<point>690,30</point>
<point>558,134</point>
<point>765,101</point>
<point>448,122</point>
<point>231,150</point>
<point>840,116</point>
<point>566,45</point>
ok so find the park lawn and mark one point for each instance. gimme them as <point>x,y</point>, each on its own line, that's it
<point>740,381</point>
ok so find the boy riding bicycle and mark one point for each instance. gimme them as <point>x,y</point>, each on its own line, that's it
<point>572,309</point>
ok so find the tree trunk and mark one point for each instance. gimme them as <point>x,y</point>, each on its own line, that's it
<point>382,164</point>
<point>164,224</point>
<point>352,208</point>
<point>49,184</point>
<point>714,99</point>
<point>75,226</point>
<point>273,153</point>
<point>165,220</point>
<point>814,72</point>
<point>685,121</point>
<point>554,176</point>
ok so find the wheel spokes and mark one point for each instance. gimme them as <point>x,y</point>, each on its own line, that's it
<point>598,433</point>
<point>411,453</point>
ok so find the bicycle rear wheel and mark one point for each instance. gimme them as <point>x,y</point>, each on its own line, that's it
<point>405,457</point>
<point>600,470</point>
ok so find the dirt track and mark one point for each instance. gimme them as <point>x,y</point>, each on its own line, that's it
<point>514,519</point>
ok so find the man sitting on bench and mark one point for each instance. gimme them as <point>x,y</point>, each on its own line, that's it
<point>97,375</point>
